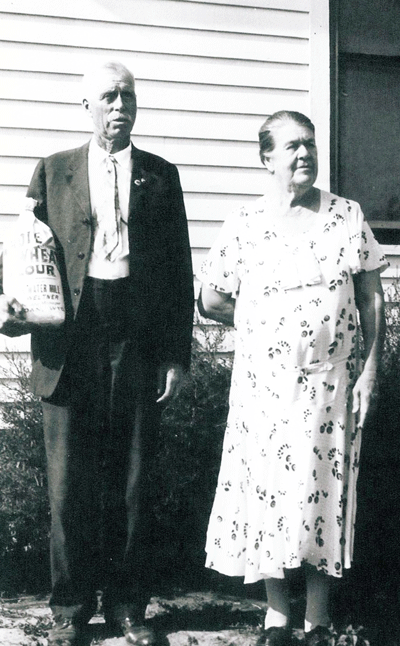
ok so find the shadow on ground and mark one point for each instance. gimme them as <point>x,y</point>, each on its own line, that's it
<point>205,618</point>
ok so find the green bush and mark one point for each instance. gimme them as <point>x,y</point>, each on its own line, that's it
<point>373,580</point>
<point>187,459</point>
<point>24,508</point>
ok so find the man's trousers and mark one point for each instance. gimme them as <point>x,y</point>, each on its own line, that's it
<point>100,428</point>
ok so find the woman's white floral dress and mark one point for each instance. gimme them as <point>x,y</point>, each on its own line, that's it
<point>286,492</point>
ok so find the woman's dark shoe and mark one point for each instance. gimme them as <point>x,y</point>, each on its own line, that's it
<point>275,637</point>
<point>319,636</point>
<point>352,636</point>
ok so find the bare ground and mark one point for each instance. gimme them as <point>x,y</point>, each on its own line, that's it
<point>186,619</point>
<point>194,619</point>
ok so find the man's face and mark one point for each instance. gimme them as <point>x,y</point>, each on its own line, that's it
<point>112,105</point>
<point>294,160</point>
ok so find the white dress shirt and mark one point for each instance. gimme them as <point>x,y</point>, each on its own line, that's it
<point>102,205</point>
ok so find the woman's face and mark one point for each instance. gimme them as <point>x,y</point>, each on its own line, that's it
<point>294,160</point>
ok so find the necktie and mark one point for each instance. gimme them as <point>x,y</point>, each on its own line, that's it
<point>112,233</point>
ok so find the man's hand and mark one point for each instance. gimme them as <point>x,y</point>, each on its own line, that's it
<point>364,395</point>
<point>12,318</point>
<point>170,379</point>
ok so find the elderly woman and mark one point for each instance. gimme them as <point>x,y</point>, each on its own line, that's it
<point>290,271</point>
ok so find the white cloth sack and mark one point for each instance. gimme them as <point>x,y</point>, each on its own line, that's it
<point>30,270</point>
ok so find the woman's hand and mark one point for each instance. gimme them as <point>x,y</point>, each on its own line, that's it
<point>216,305</point>
<point>370,303</point>
<point>365,394</point>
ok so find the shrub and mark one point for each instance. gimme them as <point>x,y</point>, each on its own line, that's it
<point>24,508</point>
<point>187,458</point>
<point>373,578</point>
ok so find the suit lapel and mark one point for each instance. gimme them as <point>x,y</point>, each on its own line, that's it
<point>138,186</point>
<point>78,178</point>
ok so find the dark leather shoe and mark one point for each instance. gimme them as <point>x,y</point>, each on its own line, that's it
<point>275,637</point>
<point>319,636</point>
<point>137,635</point>
<point>65,633</point>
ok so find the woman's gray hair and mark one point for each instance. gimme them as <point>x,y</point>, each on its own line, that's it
<point>265,134</point>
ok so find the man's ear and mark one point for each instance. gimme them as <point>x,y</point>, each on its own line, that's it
<point>86,105</point>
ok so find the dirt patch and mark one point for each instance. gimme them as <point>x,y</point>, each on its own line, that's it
<point>195,619</point>
<point>190,619</point>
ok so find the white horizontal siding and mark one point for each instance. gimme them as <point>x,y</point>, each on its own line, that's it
<point>392,273</point>
<point>207,74</point>
<point>164,67</point>
<point>202,125</point>
<point>12,345</point>
<point>257,18</point>
<point>170,95</point>
<point>193,178</point>
<point>289,5</point>
<point>37,143</point>
<point>152,39</point>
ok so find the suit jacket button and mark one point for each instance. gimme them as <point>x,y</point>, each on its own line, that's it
<point>77,291</point>
<point>81,255</point>
<point>86,221</point>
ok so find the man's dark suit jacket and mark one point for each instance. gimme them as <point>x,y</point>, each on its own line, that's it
<point>161,277</point>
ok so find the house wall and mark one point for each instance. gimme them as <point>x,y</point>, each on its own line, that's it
<point>207,74</point>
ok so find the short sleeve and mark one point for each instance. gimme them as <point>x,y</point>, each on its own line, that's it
<point>365,252</point>
<point>220,270</point>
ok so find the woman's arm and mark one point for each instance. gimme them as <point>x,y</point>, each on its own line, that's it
<point>216,305</point>
<point>371,306</point>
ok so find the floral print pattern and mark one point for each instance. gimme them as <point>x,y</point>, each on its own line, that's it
<point>286,493</point>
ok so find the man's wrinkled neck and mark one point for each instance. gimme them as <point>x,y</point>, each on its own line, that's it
<point>112,146</point>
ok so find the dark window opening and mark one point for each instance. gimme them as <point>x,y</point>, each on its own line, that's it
<point>369,135</point>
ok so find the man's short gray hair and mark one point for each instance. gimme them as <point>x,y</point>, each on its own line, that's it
<point>95,70</point>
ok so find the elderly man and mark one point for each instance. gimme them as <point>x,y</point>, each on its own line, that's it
<point>119,221</point>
